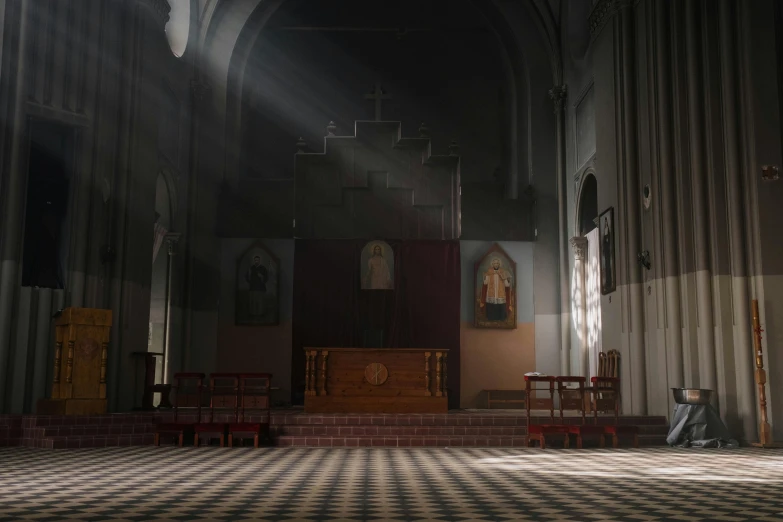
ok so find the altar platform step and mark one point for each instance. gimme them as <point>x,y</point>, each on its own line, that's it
<point>10,430</point>
<point>295,428</point>
<point>505,428</point>
<point>80,431</point>
<point>405,441</point>
<point>422,431</point>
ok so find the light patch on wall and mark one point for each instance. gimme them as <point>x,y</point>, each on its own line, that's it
<point>593,301</point>
<point>576,298</point>
<point>178,27</point>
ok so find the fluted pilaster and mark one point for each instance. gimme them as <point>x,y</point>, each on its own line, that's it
<point>579,310</point>
<point>746,407</point>
<point>558,94</point>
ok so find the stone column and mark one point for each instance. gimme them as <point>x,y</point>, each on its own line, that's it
<point>579,304</point>
<point>201,101</point>
<point>558,94</point>
<point>12,215</point>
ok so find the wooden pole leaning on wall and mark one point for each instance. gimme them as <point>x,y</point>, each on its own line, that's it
<point>765,431</point>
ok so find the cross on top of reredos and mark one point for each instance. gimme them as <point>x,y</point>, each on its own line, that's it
<point>378,95</point>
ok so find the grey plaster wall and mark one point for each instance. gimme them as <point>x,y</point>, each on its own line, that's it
<point>687,101</point>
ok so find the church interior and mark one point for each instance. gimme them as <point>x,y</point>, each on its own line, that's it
<point>391,260</point>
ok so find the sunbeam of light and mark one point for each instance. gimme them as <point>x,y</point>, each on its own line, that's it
<point>576,298</point>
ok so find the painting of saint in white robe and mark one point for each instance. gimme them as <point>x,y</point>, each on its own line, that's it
<point>377,266</point>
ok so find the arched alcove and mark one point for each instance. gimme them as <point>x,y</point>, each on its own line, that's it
<point>588,205</point>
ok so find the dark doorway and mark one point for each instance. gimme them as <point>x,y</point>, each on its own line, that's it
<point>50,168</point>
<point>588,205</point>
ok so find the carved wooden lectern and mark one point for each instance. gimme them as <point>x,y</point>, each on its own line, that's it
<point>79,379</point>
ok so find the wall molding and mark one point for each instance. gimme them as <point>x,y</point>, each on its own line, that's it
<point>602,12</point>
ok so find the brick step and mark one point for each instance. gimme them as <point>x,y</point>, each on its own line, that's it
<point>85,441</point>
<point>97,430</point>
<point>445,420</point>
<point>7,432</point>
<point>444,441</point>
<point>7,442</point>
<point>10,421</point>
<point>422,431</point>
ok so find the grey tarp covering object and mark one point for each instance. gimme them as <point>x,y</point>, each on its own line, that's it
<point>698,425</point>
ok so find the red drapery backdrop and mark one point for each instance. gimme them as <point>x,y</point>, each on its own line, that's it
<point>331,309</point>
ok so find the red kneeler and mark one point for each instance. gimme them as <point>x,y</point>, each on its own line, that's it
<point>540,432</point>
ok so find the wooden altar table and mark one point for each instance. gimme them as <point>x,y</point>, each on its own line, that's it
<point>376,380</point>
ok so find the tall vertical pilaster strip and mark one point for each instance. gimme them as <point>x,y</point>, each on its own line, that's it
<point>13,213</point>
<point>741,310</point>
<point>708,376</point>
<point>632,215</point>
<point>558,94</point>
<point>671,275</point>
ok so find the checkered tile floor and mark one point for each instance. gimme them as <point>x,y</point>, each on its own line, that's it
<point>148,483</point>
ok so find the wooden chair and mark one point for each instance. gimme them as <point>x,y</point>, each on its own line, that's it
<point>254,397</point>
<point>608,367</point>
<point>539,432</point>
<point>606,397</point>
<point>575,400</point>
<point>186,390</point>
<point>223,393</point>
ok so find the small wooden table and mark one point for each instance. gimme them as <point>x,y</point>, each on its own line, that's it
<point>491,401</point>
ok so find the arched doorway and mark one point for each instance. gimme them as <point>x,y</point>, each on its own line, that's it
<point>590,300</point>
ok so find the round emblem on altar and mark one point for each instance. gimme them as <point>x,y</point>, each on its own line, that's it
<point>376,373</point>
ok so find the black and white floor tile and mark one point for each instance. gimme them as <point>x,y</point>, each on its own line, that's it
<point>210,483</point>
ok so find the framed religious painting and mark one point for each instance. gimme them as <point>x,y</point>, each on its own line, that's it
<point>377,266</point>
<point>606,251</point>
<point>257,287</point>
<point>495,282</point>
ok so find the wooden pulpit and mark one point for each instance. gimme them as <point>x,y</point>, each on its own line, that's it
<point>79,379</point>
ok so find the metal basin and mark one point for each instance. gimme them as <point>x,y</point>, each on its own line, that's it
<point>691,396</point>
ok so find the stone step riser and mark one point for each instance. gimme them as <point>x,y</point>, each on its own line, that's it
<point>53,431</point>
<point>89,442</point>
<point>88,420</point>
<point>459,431</point>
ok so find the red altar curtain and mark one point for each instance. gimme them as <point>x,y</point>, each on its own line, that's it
<point>331,309</point>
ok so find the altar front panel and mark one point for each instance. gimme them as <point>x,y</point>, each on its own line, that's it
<point>374,380</point>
